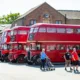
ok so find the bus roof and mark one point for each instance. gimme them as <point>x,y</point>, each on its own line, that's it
<point>55,25</point>
<point>20,27</point>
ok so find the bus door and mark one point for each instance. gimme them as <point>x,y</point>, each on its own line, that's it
<point>51,52</point>
<point>61,49</point>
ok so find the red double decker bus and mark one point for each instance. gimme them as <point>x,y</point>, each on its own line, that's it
<point>18,42</point>
<point>55,38</point>
<point>5,39</point>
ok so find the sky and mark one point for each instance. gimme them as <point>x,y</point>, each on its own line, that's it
<point>22,6</point>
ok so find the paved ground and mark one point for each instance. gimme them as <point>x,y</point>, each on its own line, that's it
<point>24,72</point>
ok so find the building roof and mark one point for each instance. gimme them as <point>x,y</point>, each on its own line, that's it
<point>31,10</point>
<point>70,14</point>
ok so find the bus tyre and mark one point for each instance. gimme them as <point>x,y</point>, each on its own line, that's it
<point>30,62</point>
<point>13,61</point>
<point>6,59</point>
<point>20,59</point>
<point>2,60</point>
<point>37,61</point>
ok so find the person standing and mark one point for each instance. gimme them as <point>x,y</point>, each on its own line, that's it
<point>75,60</point>
<point>43,59</point>
<point>67,57</point>
<point>28,53</point>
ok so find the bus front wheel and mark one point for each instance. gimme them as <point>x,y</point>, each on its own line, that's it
<point>20,59</point>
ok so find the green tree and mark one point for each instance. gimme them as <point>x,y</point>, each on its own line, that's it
<point>8,19</point>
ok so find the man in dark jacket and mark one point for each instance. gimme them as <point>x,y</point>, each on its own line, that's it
<point>67,57</point>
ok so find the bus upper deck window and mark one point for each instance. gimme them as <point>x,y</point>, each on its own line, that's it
<point>35,30</point>
<point>12,32</point>
<point>60,30</point>
<point>42,30</point>
<point>4,34</point>
<point>15,32</point>
<point>22,32</point>
<point>51,30</point>
<point>31,30</point>
<point>8,33</point>
<point>69,30</point>
<point>78,30</point>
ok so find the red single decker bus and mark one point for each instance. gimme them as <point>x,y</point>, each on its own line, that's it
<point>55,38</point>
<point>18,42</point>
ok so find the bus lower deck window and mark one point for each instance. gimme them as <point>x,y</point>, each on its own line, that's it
<point>60,47</point>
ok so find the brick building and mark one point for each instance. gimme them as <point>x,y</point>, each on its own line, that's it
<point>44,13</point>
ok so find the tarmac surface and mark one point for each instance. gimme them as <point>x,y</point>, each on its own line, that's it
<point>9,71</point>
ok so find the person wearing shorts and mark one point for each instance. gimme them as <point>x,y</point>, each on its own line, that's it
<point>75,60</point>
<point>67,57</point>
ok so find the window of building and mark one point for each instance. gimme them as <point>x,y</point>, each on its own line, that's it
<point>42,29</point>
<point>33,21</point>
<point>69,30</point>
<point>35,30</point>
<point>60,30</point>
<point>46,15</point>
<point>58,21</point>
<point>51,30</point>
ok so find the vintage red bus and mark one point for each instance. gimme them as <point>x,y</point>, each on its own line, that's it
<point>5,39</point>
<point>55,38</point>
<point>18,42</point>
